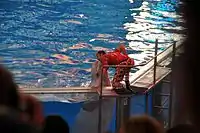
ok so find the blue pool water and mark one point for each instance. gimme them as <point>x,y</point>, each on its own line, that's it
<point>52,43</point>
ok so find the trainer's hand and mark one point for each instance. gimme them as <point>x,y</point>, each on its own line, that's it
<point>122,48</point>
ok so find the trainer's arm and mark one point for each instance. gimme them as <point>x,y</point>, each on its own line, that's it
<point>122,49</point>
<point>104,61</point>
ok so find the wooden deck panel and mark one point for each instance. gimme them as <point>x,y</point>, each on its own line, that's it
<point>166,62</point>
<point>160,58</point>
<point>58,90</point>
<point>107,92</point>
<point>146,81</point>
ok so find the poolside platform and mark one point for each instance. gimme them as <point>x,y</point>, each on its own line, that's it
<point>141,81</point>
<point>58,90</point>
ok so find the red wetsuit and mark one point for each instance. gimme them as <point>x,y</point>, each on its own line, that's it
<point>113,58</point>
<point>117,58</point>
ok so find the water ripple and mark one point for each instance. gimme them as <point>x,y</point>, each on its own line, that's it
<point>53,43</point>
<point>153,20</point>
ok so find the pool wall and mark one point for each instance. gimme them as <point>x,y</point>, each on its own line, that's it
<point>69,110</point>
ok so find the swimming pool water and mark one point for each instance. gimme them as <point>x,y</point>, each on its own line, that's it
<point>52,43</point>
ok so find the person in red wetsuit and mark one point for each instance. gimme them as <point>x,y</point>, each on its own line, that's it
<point>116,57</point>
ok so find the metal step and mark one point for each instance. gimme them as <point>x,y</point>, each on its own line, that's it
<point>166,81</point>
<point>162,94</point>
<point>160,107</point>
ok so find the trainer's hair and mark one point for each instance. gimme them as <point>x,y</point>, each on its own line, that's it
<point>101,52</point>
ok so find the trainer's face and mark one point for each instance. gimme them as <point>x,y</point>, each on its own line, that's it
<point>98,56</point>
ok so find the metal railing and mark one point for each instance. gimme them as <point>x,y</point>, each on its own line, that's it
<point>72,89</point>
<point>89,90</point>
<point>177,46</point>
<point>101,94</point>
<point>154,66</point>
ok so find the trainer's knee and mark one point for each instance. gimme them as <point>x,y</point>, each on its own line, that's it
<point>116,84</point>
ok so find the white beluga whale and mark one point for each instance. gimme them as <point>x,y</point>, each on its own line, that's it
<point>87,119</point>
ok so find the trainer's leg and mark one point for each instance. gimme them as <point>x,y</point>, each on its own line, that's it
<point>127,82</point>
<point>118,77</point>
<point>127,71</point>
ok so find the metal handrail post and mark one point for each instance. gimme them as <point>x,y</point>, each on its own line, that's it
<point>100,103</point>
<point>127,104</point>
<point>171,84</point>
<point>155,61</point>
<point>166,56</point>
<point>119,112</point>
<point>154,71</point>
<point>154,78</point>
